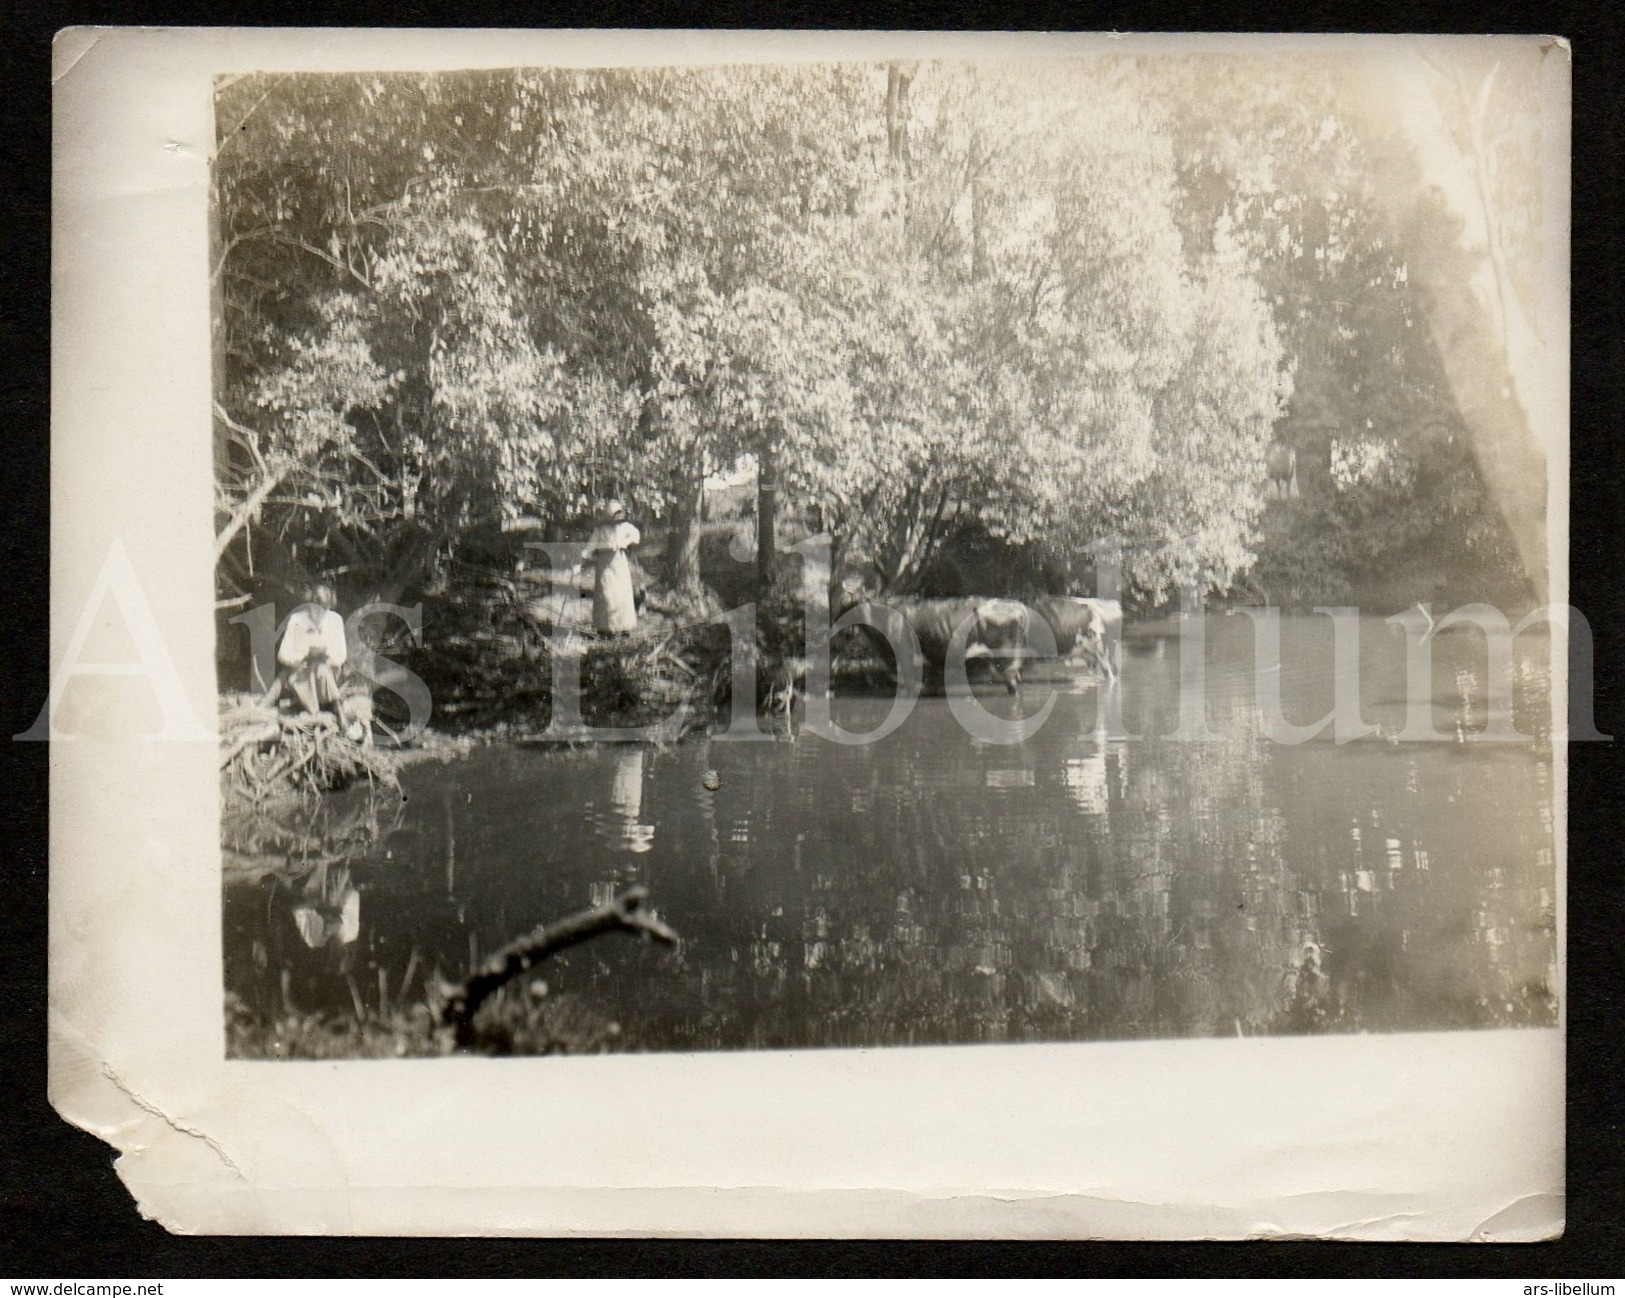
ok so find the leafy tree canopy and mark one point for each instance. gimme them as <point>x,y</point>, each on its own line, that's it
<point>1056,303</point>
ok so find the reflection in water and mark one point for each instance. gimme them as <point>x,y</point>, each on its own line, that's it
<point>330,911</point>
<point>623,827</point>
<point>1084,779</point>
<point>929,889</point>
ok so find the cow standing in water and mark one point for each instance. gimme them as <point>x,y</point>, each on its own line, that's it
<point>995,630</point>
<point>1087,631</point>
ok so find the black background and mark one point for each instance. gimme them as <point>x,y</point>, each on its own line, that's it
<point>64,1213</point>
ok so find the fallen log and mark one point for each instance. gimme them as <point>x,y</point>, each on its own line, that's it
<point>624,914</point>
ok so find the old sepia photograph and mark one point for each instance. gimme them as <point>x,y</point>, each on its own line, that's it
<point>882,554</point>
<point>813,634</point>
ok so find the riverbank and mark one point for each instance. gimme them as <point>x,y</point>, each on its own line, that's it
<point>303,801</point>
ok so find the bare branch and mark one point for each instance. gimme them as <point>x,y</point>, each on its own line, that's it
<point>331,260</point>
<point>227,137</point>
<point>624,914</point>
<point>245,511</point>
<point>363,460</point>
<point>247,437</point>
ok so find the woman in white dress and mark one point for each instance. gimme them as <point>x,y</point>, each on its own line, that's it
<point>614,610</point>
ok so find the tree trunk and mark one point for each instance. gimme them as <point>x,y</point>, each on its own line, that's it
<point>1513,405</point>
<point>897,79</point>
<point>978,211</point>
<point>217,338</point>
<point>683,545</point>
<point>767,509</point>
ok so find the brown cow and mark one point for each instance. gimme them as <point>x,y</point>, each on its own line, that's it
<point>1087,631</point>
<point>995,630</point>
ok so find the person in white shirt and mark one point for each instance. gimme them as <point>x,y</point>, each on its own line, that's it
<point>312,652</point>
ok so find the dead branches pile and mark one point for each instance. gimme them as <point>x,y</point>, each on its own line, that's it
<point>266,754</point>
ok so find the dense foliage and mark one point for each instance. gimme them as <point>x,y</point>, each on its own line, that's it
<point>1046,304</point>
<point>1278,165</point>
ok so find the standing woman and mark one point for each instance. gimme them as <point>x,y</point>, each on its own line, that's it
<point>614,611</point>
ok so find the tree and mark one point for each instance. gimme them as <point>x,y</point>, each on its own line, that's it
<point>929,298</point>
<point>354,291</point>
<point>1296,162</point>
<point>1024,336</point>
<point>1468,187</point>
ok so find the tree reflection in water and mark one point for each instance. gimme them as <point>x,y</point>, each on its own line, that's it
<point>928,889</point>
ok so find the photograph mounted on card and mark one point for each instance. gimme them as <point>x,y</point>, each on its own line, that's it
<point>813,634</point>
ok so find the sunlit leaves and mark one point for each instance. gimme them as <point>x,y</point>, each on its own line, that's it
<point>326,375</point>
<point>512,291</point>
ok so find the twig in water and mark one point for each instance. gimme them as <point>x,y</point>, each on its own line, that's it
<point>355,999</point>
<point>406,978</point>
<point>623,914</point>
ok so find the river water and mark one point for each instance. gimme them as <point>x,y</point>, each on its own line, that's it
<point>933,888</point>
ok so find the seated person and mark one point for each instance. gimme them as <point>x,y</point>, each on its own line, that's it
<point>312,652</point>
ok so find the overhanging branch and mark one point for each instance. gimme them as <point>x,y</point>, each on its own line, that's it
<point>624,914</point>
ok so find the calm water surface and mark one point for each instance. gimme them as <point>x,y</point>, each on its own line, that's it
<point>929,888</point>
